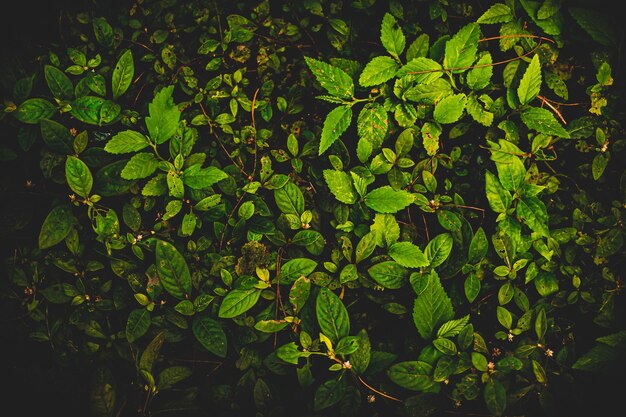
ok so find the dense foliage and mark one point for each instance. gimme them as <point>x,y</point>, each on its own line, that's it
<point>319,207</point>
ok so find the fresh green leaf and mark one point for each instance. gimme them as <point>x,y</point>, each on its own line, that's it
<point>141,165</point>
<point>450,109</point>
<point>332,315</point>
<point>335,124</point>
<point>334,80</point>
<point>78,176</point>
<point>123,73</point>
<point>408,255</point>
<point>461,49</point>
<point>530,84</point>
<point>137,324</point>
<point>164,116</point>
<point>543,121</point>
<point>389,274</point>
<point>391,36</point>
<point>432,306</point>
<point>387,200</point>
<point>340,184</point>
<point>497,13</point>
<point>377,71</point>
<point>173,270</point>
<point>438,249</point>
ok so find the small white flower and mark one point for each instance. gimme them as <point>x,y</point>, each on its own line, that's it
<point>549,353</point>
<point>491,366</point>
<point>510,337</point>
<point>347,365</point>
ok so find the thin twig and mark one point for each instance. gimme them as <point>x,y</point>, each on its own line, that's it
<point>382,394</point>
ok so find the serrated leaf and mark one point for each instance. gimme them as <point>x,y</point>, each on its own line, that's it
<point>511,173</point>
<point>430,93</point>
<point>126,141</point>
<point>372,125</point>
<point>78,176</point>
<point>391,36</point>
<point>478,113</point>
<point>56,226</point>
<point>450,109</point>
<point>412,375</point>
<point>461,49</point>
<point>543,121</point>
<point>59,84</point>
<point>202,178</point>
<point>497,13</point>
<point>336,122</point>
<point>385,229</point>
<point>210,335</point>
<point>530,84</point>
<point>387,200</point>
<point>438,249</point>
<point>238,302</point>
<point>389,274</point>
<point>452,328</point>
<point>340,184</point>
<point>407,254</point>
<point>595,24</point>
<point>123,74</point>
<point>137,324</point>
<point>333,79</point>
<point>332,315</point>
<point>432,306</point>
<point>377,71</point>
<point>156,186</point>
<point>419,47</point>
<point>421,69</point>
<point>173,270</point>
<point>164,116</point>
<point>534,214</point>
<point>141,165</point>
<point>479,77</point>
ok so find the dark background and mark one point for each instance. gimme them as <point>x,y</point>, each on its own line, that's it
<point>28,372</point>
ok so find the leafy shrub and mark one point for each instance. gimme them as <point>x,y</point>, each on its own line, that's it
<point>345,208</point>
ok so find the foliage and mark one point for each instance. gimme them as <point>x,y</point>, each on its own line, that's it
<point>439,229</point>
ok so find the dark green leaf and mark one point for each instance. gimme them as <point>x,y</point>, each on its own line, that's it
<point>123,74</point>
<point>210,335</point>
<point>432,306</point>
<point>137,324</point>
<point>173,270</point>
<point>78,176</point>
<point>56,226</point>
<point>238,302</point>
<point>332,315</point>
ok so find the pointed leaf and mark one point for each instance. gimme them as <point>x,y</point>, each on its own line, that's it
<point>387,200</point>
<point>59,84</point>
<point>202,178</point>
<point>340,184</point>
<point>389,274</point>
<point>141,165</point>
<point>56,226</point>
<point>210,335</point>
<point>78,176</point>
<point>534,214</point>
<point>126,141</point>
<point>438,249</point>
<point>450,109</point>
<point>423,70</point>
<point>336,122</point>
<point>173,270</point>
<point>461,48</point>
<point>391,36</point>
<point>432,306</point>
<point>378,71</point>
<point>122,74</point>
<point>294,268</point>
<point>333,79</point>
<point>238,302</point>
<point>332,315</point>
<point>543,121</point>
<point>530,84</point>
<point>497,13</point>
<point>408,255</point>
<point>137,324</point>
<point>164,116</point>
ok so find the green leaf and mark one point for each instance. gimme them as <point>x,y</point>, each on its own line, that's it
<point>408,255</point>
<point>478,246</point>
<point>294,268</point>
<point>432,306</point>
<point>438,249</point>
<point>391,36</point>
<point>461,49</point>
<point>499,199</point>
<point>412,375</point>
<point>595,24</point>
<point>202,178</point>
<point>56,136</point>
<point>290,199</point>
<point>387,200</point>
<point>530,84</point>
<point>156,186</point>
<point>543,121</point>
<point>479,77</point>
<point>333,79</point>
<point>33,110</point>
<point>497,13</point>
<point>164,116</point>
<point>534,214</point>
<point>78,176</point>
<point>430,93</point>
<point>210,335</point>
<point>270,326</point>
<point>598,165</point>
<point>478,113</point>
<point>450,109</point>
<point>141,165</point>
<point>423,70</point>
<point>340,184</point>
<point>238,302</point>
<point>546,284</point>
<point>495,397</point>
<point>56,226</point>
<point>95,110</point>
<point>372,125</point>
<point>452,328</point>
<point>418,48</point>
<point>389,274</point>
<point>327,394</point>
<point>385,229</point>
<point>299,292</point>
<point>336,122</point>
<point>377,71</point>
<point>172,375</point>
<point>103,31</point>
<point>137,324</point>
<point>59,84</point>
<point>445,346</point>
<point>173,270</point>
<point>123,74</point>
<point>360,359</point>
<point>332,315</point>
<point>541,324</point>
<point>126,141</point>
<point>471,287</point>
<point>511,173</point>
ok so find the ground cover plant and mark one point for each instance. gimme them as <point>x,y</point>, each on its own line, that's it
<point>317,208</point>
